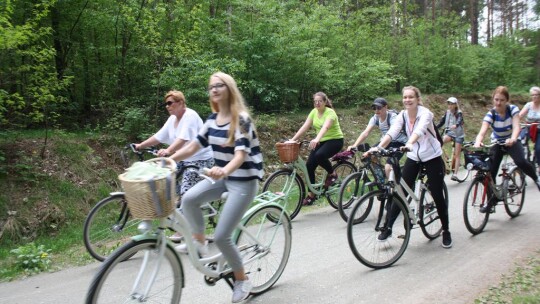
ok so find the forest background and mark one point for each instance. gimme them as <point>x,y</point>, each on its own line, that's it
<point>85,75</point>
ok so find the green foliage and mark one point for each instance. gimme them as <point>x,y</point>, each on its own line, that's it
<point>76,63</point>
<point>32,258</point>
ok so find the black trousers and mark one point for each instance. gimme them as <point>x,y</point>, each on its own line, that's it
<point>435,179</point>
<point>320,156</point>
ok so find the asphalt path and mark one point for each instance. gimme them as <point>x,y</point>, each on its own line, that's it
<point>322,268</point>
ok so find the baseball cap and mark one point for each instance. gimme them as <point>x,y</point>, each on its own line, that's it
<point>452,100</point>
<point>381,102</point>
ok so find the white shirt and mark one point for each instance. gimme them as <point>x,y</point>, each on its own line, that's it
<point>427,146</point>
<point>187,129</point>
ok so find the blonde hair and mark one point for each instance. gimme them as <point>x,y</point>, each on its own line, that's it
<point>534,89</point>
<point>236,103</point>
<point>416,93</point>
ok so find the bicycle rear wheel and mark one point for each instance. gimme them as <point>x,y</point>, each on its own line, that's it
<point>514,192</point>
<point>429,220</point>
<point>265,246</point>
<point>363,237</point>
<point>476,197</point>
<point>292,201</point>
<point>352,188</point>
<point>116,281</point>
<point>108,226</point>
<point>463,173</point>
<point>342,169</point>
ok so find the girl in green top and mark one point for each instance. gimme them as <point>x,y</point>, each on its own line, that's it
<point>329,140</point>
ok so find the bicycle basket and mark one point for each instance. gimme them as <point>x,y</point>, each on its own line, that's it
<point>288,152</point>
<point>478,159</point>
<point>150,197</point>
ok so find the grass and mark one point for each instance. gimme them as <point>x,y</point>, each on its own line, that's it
<point>522,286</point>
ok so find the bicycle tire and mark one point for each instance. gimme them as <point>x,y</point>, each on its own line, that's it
<point>342,169</point>
<point>514,189</point>
<point>292,201</point>
<point>428,217</point>
<point>463,173</point>
<point>115,280</point>
<point>350,191</point>
<point>272,249</point>
<point>475,198</point>
<point>363,237</point>
<point>108,226</point>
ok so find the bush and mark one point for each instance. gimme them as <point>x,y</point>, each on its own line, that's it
<point>32,258</point>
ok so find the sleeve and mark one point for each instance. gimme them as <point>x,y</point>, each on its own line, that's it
<point>202,138</point>
<point>242,136</point>
<point>163,134</point>
<point>489,118</point>
<point>188,128</point>
<point>396,126</point>
<point>514,110</point>
<point>424,121</point>
<point>371,121</point>
<point>442,121</point>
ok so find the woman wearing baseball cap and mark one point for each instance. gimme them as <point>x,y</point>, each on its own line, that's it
<point>452,121</point>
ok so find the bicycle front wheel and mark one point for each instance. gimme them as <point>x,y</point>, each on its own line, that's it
<point>133,281</point>
<point>342,169</point>
<point>265,245</point>
<point>363,237</point>
<point>350,191</point>
<point>476,197</point>
<point>278,181</point>
<point>108,226</point>
<point>428,217</point>
<point>514,192</point>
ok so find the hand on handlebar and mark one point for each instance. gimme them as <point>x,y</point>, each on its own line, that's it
<point>215,173</point>
<point>510,142</point>
<point>407,147</point>
<point>163,153</point>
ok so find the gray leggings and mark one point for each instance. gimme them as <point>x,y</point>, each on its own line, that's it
<point>241,194</point>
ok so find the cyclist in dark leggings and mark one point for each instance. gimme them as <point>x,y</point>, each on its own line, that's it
<point>327,142</point>
<point>503,118</point>
<point>423,149</point>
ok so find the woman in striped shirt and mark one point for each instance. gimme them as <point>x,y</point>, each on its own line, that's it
<point>231,133</point>
<point>504,120</point>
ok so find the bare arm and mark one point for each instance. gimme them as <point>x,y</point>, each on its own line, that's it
<point>480,137</point>
<point>176,145</point>
<point>362,137</point>
<point>186,151</point>
<point>515,131</point>
<point>522,113</point>
<point>151,141</point>
<point>307,124</point>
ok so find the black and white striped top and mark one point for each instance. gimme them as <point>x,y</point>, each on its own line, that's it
<point>245,138</point>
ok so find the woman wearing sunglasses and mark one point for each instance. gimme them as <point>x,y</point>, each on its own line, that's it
<point>181,128</point>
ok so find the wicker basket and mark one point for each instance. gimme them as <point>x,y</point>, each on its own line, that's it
<point>155,198</point>
<point>288,152</point>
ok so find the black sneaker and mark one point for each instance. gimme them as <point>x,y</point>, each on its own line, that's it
<point>446,239</point>
<point>385,233</point>
<point>490,206</point>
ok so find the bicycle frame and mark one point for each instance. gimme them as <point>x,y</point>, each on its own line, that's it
<point>178,222</point>
<point>405,192</point>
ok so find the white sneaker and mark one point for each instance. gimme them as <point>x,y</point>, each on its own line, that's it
<point>201,248</point>
<point>241,290</point>
<point>176,238</point>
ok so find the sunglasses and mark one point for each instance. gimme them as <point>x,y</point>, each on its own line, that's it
<point>169,103</point>
<point>376,107</point>
<point>216,86</point>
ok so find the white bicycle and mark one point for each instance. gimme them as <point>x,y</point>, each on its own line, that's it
<point>154,273</point>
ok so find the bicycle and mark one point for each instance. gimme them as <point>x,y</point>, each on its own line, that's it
<point>109,223</point>
<point>525,141</point>
<point>449,163</point>
<point>511,191</point>
<point>355,185</point>
<point>155,273</point>
<point>409,207</point>
<point>289,181</point>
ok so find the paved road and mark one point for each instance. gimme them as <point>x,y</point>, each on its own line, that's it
<point>322,269</point>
